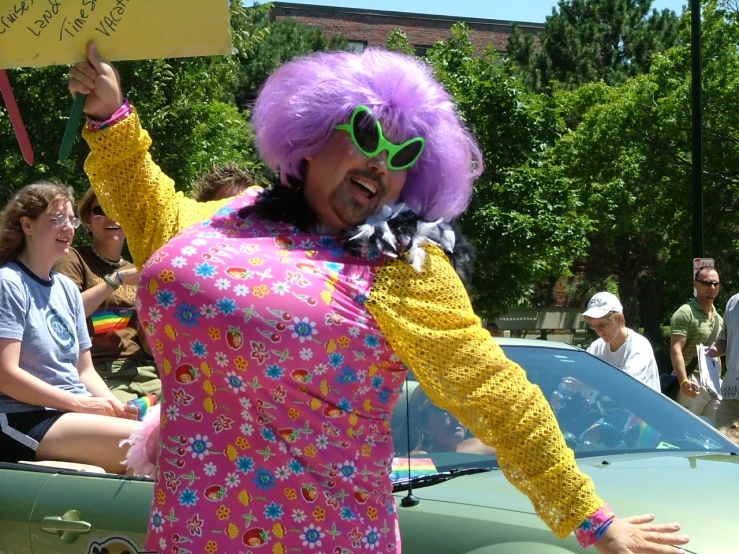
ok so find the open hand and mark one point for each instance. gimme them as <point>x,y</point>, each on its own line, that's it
<point>638,535</point>
<point>100,81</point>
<point>111,407</point>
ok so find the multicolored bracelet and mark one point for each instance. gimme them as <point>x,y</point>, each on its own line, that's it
<point>592,529</point>
<point>119,115</point>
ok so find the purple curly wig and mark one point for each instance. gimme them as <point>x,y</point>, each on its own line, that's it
<point>304,99</point>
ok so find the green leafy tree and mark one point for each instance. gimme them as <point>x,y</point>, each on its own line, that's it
<point>188,106</point>
<point>592,40</point>
<point>629,153</point>
<point>525,219</point>
<point>286,39</point>
<point>398,42</point>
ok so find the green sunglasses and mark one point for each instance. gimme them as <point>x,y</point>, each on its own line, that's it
<point>366,133</point>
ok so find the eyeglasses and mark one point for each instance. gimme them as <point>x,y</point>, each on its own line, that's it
<point>98,210</point>
<point>709,283</point>
<point>61,219</point>
<point>366,133</point>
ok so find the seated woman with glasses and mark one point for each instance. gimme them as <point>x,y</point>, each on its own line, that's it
<point>436,430</point>
<point>108,286</point>
<point>53,405</point>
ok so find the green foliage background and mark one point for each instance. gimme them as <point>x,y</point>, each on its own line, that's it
<point>585,132</point>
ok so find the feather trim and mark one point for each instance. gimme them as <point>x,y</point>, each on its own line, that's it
<point>144,444</point>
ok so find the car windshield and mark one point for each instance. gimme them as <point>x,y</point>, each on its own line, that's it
<point>600,411</point>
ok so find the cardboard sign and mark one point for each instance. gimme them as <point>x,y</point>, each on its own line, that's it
<point>54,32</point>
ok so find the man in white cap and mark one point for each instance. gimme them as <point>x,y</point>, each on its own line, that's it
<point>618,345</point>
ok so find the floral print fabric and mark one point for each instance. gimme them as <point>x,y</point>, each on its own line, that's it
<point>278,388</point>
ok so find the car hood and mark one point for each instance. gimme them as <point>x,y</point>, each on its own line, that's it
<point>700,491</point>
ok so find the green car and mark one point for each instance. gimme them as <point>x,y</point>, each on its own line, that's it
<point>645,453</point>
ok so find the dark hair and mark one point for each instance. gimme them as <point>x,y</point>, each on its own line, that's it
<point>30,201</point>
<point>219,176</point>
<point>702,269</point>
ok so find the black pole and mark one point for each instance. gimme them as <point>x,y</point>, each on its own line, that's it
<point>697,130</point>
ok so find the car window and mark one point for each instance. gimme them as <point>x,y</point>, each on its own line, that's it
<point>600,410</point>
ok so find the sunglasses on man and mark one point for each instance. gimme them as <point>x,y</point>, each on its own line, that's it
<point>366,133</point>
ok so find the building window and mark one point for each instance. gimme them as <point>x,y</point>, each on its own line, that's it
<point>420,49</point>
<point>358,46</point>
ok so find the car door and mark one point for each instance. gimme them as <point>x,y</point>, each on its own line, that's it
<point>85,513</point>
<point>20,487</point>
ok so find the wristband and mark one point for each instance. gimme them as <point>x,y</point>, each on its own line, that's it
<point>592,529</point>
<point>686,380</point>
<point>118,275</point>
<point>119,115</point>
<point>108,279</point>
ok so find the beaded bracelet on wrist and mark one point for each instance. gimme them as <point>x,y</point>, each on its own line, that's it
<point>108,279</point>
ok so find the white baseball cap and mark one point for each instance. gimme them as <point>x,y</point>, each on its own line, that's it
<point>602,304</point>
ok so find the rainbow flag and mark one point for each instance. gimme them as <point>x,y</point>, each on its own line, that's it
<point>107,321</point>
<point>648,436</point>
<point>419,467</point>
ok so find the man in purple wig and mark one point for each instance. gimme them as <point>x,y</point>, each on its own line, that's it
<point>285,320</point>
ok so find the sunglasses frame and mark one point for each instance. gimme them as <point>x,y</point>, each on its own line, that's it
<point>382,142</point>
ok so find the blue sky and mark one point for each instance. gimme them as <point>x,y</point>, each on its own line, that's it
<point>512,10</point>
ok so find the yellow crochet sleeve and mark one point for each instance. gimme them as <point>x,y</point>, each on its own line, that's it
<point>135,192</point>
<point>428,320</point>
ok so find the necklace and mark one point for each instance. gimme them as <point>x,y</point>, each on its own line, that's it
<point>108,261</point>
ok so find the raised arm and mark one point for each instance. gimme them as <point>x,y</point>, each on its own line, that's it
<point>130,187</point>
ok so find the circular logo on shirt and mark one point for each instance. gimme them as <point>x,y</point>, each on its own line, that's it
<point>60,329</point>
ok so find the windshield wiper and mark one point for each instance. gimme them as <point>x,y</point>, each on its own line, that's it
<point>421,481</point>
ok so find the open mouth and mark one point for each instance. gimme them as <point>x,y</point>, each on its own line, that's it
<point>66,241</point>
<point>113,228</point>
<point>366,187</point>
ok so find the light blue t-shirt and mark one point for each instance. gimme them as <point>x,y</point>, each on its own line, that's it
<point>49,319</point>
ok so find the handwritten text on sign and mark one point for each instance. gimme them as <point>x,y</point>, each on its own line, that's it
<point>51,32</point>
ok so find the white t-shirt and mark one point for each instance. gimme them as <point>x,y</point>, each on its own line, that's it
<point>49,319</point>
<point>635,357</point>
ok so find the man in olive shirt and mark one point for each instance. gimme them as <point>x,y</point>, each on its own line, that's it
<point>693,324</point>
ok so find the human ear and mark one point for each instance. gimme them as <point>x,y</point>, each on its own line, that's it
<point>26,225</point>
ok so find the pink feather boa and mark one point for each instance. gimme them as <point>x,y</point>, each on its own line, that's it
<point>144,444</point>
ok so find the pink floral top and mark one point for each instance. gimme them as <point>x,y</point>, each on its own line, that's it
<point>278,391</point>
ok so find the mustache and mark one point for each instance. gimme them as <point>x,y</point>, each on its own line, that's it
<point>373,176</point>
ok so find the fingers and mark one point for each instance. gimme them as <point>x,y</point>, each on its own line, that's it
<point>126,411</point>
<point>667,538</point>
<point>82,79</point>
<point>644,518</point>
<point>76,87</point>
<point>94,56</point>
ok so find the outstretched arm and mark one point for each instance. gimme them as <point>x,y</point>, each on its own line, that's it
<point>428,320</point>
<point>130,187</point>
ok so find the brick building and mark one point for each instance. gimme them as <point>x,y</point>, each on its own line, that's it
<point>365,27</point>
